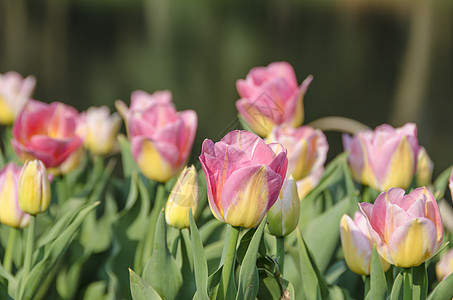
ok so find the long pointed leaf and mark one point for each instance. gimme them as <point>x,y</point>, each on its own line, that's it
<point>199,259</point>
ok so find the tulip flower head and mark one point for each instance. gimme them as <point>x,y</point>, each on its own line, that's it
<point>444,266</point>
<point>385,157</point>
<point>307,151</point>
<point>271,96</point>
<point>425,167</point>
<point>357,244</point>
<point>100,129</point>
<point>407,229</point>
<point>161,137</point>
<point>450,184</point>
<point>14,93</point>
<point>10,212</point>
<point>283,216</point>
<point>34,188</point>
<point>244,176</point>
<point>47,132</point>
<point>183,196</point>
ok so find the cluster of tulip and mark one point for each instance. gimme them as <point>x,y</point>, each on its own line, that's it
<point>267,183</point>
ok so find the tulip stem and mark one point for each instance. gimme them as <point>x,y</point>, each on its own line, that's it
<point>280,253</point>
<point>28,253</point>
<point>229,259</point>
<point>8,260</point>
<point>407,279</point>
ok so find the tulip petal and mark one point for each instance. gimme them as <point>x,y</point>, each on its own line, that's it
<point>248,194</point>
<point>413,243</point>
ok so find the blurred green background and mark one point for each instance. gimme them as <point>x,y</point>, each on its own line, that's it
<point>376,61</point>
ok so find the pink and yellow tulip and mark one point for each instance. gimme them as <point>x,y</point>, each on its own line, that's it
<point>244,176</point>
<point>47,132</point>
<point>384,158</point>
<point>444,266</point>
<point>161,137</point>
<point>307,150</point>
<point>99,129</point>
<point>14,93</point>
<point>10,212</point>
<point>425,166</point>
<point>407,229</point>
<point>450,184</point>
<point>283,216</point>
<point>270,96</point>
<point>357,244</point>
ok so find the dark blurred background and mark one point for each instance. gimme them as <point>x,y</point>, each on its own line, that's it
<point>376,61</point>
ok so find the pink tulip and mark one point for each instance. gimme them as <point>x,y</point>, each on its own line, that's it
<point>307,150</point>
<point>271,96</point>
<point>10,212</point>
<point>357,244</point>
<point>14,93</point>
<point>385,157</point>
<point>407,229</point>
<point>47,132</point>
<point>244,176</point>
<point>161,137</point>
<point>444,266</point>
<point>450,184</point>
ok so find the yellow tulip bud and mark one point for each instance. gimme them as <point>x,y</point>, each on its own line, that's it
<point>183,196</point>
<point>34,188</point>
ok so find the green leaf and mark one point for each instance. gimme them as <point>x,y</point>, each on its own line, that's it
<point>378,284</point>
<point>141,290</point>
<point>188,287</point>
<point>213,282</point>
<point>441,182</point>
<point>323,233</point>
<point>162,271</point>
<point>248,276</point>
<point>50,254</point>
<point>444,290</point>
<point>314,284</point>
<point>199,259</point>
<point>397,290</point>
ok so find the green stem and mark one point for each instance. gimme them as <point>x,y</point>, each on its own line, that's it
<point>281,253</point>
<point>407,279</point>
<point>28,255</point>
<point>367,285</point>
<point>8,259</point>
<point>230,257</point>
<point>159,204</point>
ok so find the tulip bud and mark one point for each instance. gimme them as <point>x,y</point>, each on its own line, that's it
<point>283,216</point>
<point>183,196</point>
<point>10,213</point>
<point>445,265</point>
<point>425,167</point>
<point>34,188</point>
<point>357,244</point>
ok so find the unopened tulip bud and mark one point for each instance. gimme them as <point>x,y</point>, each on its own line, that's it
<point>283,216</point>
<point>425,167</point>
<point>34,188</point>
<point>183,196</point>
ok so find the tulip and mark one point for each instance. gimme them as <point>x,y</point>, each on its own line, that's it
<point>10,212</point>
<point>407,229</point>
<point>450,184</point>
<point>161,137</point>
<point>34,188</point>
<point>100,129</point>
<point>283,216</point>
<point>244,176</point>
<point>14,93</point>
<point>384,158</point>
<point>271,96</point>
<point>425,167</point>
<point>307,150</point>
<point>183,196</point>
<point>444,266</point>
<point>47,132</point>
<point>357,244</point>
